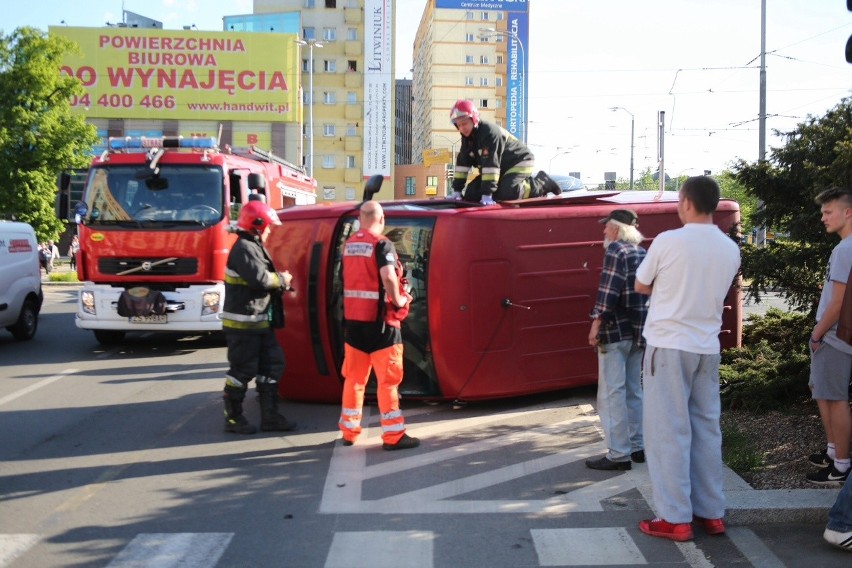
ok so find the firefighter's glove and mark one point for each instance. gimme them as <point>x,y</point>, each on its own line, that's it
<point>285,279</point>
<point>457,196</point>
<point>487,200</point>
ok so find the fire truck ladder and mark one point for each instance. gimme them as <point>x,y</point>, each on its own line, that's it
<point>262,155</point>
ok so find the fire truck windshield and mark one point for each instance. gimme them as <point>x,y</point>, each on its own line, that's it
<point>176,194</point>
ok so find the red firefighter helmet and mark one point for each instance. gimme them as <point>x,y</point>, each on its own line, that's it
<point>255,216</point>
<point>464,109</point>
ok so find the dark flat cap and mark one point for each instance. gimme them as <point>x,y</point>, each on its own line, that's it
<point>625,216</point>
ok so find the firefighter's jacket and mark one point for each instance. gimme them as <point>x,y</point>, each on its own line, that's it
<point>252,288</point>
<point>494,151</point>
<point>364,298</point>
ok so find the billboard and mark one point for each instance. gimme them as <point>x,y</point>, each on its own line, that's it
<point>184,75</point>
<point>378,87</point>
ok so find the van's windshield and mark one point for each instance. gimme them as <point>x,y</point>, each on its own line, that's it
<point>133,194</point>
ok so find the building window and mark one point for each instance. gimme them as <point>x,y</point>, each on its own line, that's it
<point>350,162</point>
<point>468,15</point>
<point>329,34</point>
<point>352,34</point>
<point>468,37</point>
<point>329,65</point>
<point>351,130</point>
<point>468,81</point>
<point>410,186</point>
<point>328,161</point>
<point>328,130</point>
<point>306,66</point>
<point>310,4</point>
<point>349,194</point>
<point>329,97</point>
<point>331,3</point>
<point>499,81</point>
<point>307,98</point>
<point>352,66</point>
<point>468,59</point>
<point>499,60</point>
<point>432,181</point>
<point>329,193</point>
<point>309,33</point>
<point>483,81</point>
<point>483,103</point>
<point>484,16</point>
<point>351,98</point>
<point>500,16</point>
<point>499,38</point>
<point>483,60</point>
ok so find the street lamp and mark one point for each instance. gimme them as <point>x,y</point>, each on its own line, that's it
<point>631,141</point>
<point>452,144</point>
<point>550,165</point>
<point>486,32</point>
<point>311,43</point>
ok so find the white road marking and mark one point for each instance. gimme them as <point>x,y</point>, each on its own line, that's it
<point>382,549</point>
<point>184,550</point>
<point>14,546</point>
<point>586,547</point>
<point>348,471</point>
<point>36,386</point>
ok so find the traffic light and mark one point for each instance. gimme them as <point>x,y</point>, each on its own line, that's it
<point>849,41</point>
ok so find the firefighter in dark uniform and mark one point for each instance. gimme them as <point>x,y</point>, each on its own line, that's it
<point>505,164</point>
<point>253,308</point>
<point>374,305</point>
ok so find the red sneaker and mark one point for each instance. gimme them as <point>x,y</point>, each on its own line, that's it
<point>711,526</point>
<point>664,529</point>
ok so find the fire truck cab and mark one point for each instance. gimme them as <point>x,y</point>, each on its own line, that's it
<point>502,295</point>
<point>154,226</point>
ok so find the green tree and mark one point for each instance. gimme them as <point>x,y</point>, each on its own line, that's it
<point>39,137</point>
<point>816,155</point>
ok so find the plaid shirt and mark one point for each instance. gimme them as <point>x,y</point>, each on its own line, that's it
<point>620,308</point>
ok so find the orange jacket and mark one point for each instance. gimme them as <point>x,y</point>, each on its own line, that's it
<point>363,293</point>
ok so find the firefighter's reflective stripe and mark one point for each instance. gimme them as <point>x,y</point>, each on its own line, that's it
<point>361,294</point>
<point>387,364</point>
<point>461,172</point>
<point>361,283</point>
<point>490,174</point>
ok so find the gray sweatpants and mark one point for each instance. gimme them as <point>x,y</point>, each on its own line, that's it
<point>683,438</point>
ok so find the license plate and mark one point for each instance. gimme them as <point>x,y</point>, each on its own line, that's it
<point>148,319</point>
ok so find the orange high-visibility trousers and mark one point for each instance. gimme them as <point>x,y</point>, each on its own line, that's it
<point>387,363</point>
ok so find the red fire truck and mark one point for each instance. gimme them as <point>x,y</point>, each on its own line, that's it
<point>155,224</point>
<point>502,295</point>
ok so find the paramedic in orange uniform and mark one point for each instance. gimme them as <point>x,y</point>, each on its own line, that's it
<point>374,305</point>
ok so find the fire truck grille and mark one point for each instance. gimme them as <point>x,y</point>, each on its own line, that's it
<point>149,266</point>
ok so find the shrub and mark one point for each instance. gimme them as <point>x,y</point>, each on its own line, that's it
<point>772,368</point>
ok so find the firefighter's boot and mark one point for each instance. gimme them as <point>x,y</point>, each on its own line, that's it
<point>270,420</point>
<point>235,421</point>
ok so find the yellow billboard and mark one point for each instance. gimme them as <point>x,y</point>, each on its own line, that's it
<point>434,157</point>
<point>184,75</point>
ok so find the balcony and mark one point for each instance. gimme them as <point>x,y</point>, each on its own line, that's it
<point>353,144</point>
<point>354,112</point>
<point>352,175</point>
<point>354,80</point>
<point>353,15</point>
<point>353,48</point>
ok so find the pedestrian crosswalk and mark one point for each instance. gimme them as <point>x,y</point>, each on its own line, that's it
<point>357,549</point>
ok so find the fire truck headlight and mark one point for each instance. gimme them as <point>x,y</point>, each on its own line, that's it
<point>87,302</point>
<point>209,303</point>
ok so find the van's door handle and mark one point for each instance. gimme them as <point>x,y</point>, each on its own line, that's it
<point>507,303</point>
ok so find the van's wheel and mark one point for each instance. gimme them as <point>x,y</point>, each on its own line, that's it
<point>25,328</point>
<point>108,336</point>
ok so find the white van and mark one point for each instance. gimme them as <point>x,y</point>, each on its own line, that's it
<point>20,280</point>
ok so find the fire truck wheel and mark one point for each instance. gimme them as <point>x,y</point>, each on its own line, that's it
<point>108,336</point>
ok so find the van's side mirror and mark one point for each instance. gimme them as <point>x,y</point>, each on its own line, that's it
<point>63,196</point>
<point>372,187</point>
<point>256,181</point>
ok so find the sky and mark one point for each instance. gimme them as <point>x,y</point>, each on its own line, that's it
<point>695,60</point>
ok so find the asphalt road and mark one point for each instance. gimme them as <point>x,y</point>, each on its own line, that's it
<point>116,457</point>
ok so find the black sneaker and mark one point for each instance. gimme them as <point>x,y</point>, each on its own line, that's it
<point>606,464</point>
<point>638,456</point>
<point>828,476</point>
<point>820,459</point>
<point>404,443</point>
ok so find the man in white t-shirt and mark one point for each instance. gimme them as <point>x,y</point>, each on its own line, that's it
<point>688,273</point>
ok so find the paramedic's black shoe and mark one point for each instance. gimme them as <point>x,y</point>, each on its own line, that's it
<point>238,425</point>
<point>638,456</point>
<point>405,443</point>
<point>820,459</point>
<point>828,476</point>
<point>606,464</point>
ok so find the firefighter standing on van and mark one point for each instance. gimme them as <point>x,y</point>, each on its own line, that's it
<point>505,164</point>
<point>374,305</point>
<point>253,307</point>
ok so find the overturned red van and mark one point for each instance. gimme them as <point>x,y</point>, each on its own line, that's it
<point>502,294</point>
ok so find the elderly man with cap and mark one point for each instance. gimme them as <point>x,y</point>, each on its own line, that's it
<point>616,332</point>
